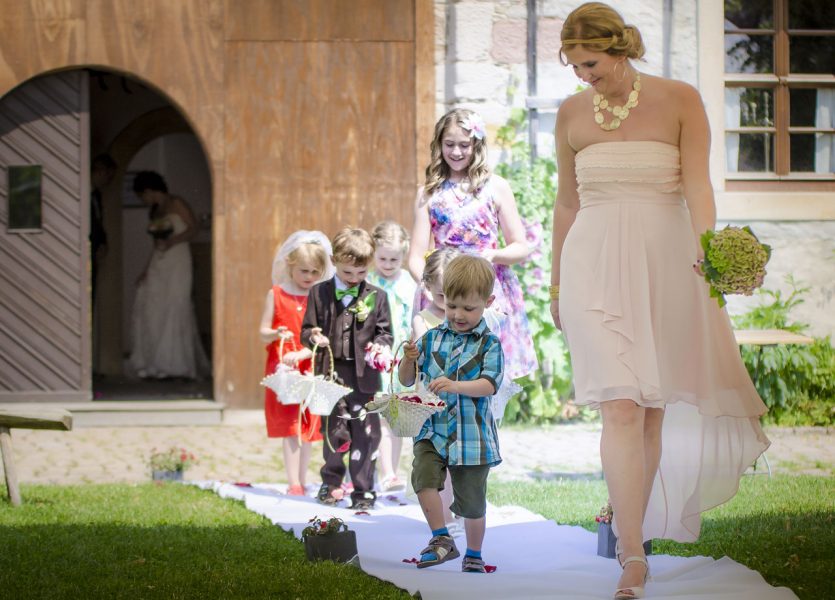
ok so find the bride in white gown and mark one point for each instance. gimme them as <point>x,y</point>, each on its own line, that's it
<point>165,340</point>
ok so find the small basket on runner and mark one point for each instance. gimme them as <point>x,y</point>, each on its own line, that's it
<point>287,382</point>
<point>321,392</point>
<point>406,411</point>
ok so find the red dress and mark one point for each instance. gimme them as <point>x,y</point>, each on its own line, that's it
<point>283,420</point>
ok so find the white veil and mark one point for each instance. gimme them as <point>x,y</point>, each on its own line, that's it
<point>281,274</point>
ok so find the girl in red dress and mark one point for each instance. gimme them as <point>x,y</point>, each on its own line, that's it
<point>302,261</point>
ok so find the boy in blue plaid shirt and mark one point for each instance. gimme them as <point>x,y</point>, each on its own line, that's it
<point>462,362</point>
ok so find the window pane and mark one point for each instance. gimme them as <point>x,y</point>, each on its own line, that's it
<point>749,53</point>
<point>812,107</point>
<point>802,107</point>
<point>813,153</point>
<point>812,54</point>
<point>749,14</point>
<point>24,197</point>
<point>749,107</point>
<point>811,14</point>
<point>749,152</point>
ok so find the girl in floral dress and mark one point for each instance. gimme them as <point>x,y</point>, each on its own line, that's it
<point>465,206</point>
<point>392,245</point>
<point>302,261</point>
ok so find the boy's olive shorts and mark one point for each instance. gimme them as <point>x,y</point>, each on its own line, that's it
<point>469,482</point>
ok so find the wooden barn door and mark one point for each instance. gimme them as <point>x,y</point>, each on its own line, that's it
<point>44,282</point>
<point>320,134</point>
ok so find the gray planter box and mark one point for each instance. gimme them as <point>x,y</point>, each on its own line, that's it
<point>339,547</point>
<point>606,541</point>
<point>167,475</point>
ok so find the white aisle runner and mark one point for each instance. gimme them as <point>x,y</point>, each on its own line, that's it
<point>535,557</point>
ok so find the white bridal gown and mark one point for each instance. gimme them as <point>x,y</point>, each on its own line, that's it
<point>165,340</point>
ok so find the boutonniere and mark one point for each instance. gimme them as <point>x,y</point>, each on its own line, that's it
<point>362,308</point>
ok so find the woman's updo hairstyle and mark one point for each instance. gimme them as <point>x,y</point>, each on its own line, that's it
<point>599,28</point>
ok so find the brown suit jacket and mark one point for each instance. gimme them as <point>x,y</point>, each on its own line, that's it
<point>322,311</point>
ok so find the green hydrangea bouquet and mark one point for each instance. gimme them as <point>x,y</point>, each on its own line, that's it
<point>734,261</point>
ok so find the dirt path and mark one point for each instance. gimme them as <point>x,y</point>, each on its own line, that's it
<point>240,451</point>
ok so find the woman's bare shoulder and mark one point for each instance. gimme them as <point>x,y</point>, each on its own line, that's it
<point>676,89</point>
<point>575,101</point>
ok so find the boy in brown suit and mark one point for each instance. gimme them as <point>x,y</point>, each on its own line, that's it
<point>346,313</point>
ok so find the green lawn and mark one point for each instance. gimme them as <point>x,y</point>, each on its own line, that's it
<point>171,541</point>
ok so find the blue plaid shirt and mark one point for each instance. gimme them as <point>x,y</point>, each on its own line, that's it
<point>464,433</point>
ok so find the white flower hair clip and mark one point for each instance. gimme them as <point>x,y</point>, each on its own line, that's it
<point>475,125</point>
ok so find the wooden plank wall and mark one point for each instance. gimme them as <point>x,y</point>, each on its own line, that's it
<point>308,112</point>
<point>320,104</point>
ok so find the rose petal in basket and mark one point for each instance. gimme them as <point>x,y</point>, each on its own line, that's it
<point>406,412</point>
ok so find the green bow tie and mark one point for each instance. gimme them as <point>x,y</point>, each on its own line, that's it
<point>354,291</point>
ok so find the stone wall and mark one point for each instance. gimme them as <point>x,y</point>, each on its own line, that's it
<point>805,251</point>
<point>480,63</point>
<point>481,54</point>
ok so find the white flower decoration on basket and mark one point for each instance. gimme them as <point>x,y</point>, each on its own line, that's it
<point>406,411</point>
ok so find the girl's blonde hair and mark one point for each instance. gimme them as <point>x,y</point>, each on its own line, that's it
<point>311,254</point>
<point>436,262</point>
<point>599,28</point>
<point>437,171</point>
<point>311,247</point>
<point>389,233</point>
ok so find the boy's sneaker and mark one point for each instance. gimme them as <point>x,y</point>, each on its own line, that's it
<point>364,501</point>
<point>328,496</point>
<point>362,505</point>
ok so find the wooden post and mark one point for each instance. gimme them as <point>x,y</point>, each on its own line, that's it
<point>8,465</point>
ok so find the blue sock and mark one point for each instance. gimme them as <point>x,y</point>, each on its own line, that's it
<point>432,555</point>
<point>473,553</point>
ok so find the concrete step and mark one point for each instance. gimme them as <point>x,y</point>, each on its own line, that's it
<point>136,413</point>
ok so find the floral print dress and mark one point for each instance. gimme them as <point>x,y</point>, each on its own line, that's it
<point>470,223</point>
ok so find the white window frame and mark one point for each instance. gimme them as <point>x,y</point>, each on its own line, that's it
<point>783,205</point>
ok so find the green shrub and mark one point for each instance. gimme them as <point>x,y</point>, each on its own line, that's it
<point>534,185</point>
<point>797,383</point>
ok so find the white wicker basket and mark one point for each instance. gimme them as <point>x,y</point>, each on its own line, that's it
<point>322,392</point>
<point>286,382</point>
<point>406,411</point>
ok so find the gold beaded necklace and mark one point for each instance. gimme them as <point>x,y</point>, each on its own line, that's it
<point>620,113</point>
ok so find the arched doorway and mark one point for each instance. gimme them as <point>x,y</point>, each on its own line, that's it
<point>66,343</point>
<point>142,130</point>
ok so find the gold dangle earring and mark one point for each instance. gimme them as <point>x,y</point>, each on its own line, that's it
<point>623,72</point>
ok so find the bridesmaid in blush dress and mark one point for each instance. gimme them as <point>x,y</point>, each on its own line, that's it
<point>649,348</point>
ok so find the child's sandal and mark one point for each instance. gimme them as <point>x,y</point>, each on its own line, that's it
<point>443,547</point>
<point>471,564</point>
